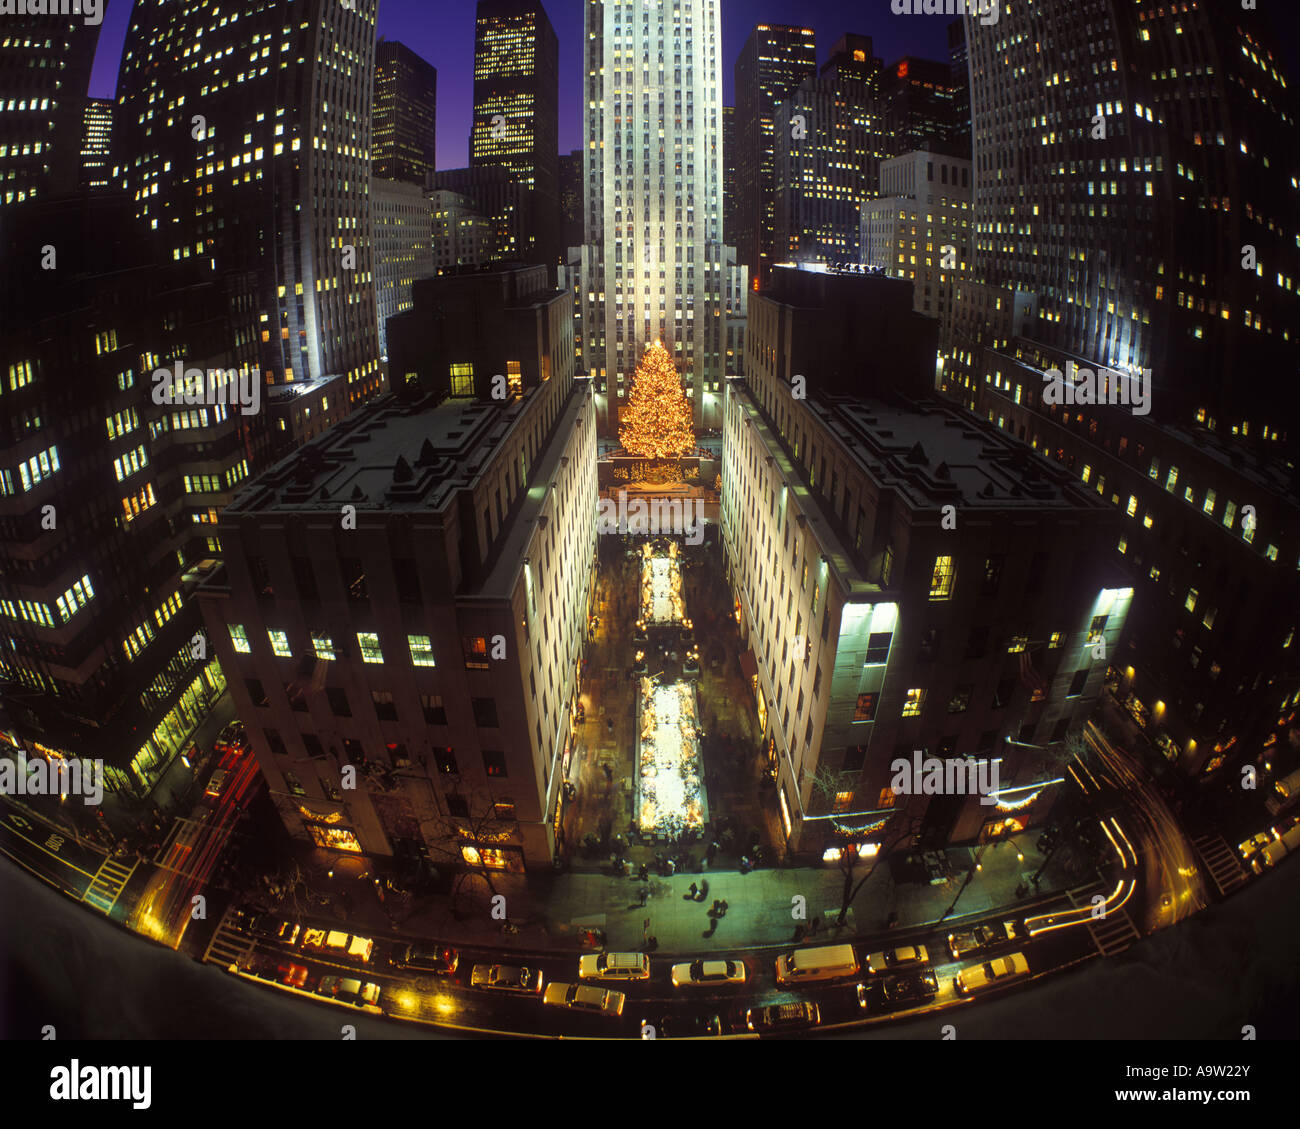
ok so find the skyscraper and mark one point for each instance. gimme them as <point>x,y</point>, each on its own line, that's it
<point>919,106</point>
<point>405,114</point>
<point>262,167</point>
<point>45,66</point>
<point>730,221</point>
<point>571,197</point>
<point>1128,233</point>
<point>773,62</point>
<point>656,266</point>
<point>97,143</point>
<point>959,55</point>
<point>516,114</point>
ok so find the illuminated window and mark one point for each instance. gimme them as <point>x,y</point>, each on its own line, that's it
<point>1057,640</point>
<point>1229,513</point>
<point>421,650</point>
<point>1190,602</point>
<point>865,710</point>
<point>368,641</point>
<point>323,645</point>
<point>514,378</point>
<point>475,650</point>
<point>914,704</point>
<point>462,380</point>
<point>941,580</point>
<point>239,639</point>
<point>280,644</point>
<point>1132,504</point>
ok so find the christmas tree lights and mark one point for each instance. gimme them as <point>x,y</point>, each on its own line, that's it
<point>657,421</point>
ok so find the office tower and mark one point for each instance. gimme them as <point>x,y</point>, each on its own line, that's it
<point>262,170</point>
<point>571,196</point>
<point>108,497</point>
<point>828,159</point>
<point>898,632</point>
<point>404,143</point>
<point>517,115</point>
<point>729,221</point>
<point>918,102</point>
<point>96,144</point>
<point>918,228</point>
<point>1128,208</point>
<point>773,62</point>
<point>505,202</point>
<point>45,66</point>
<point>959,55</point>
<point>434,643</point>
<point>461,236</point>
<point>655,267</point>
<point>403,225</point>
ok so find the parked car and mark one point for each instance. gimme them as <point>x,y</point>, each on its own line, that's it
<point>273,928</point>
<point>779,1017</point>
<point>705,972</point>
<point>582,997</point>
<point>982,938</point>
<point>614,966</point>
<point>439,959</point>
<point>232,739</point>
<point>892,959</point>
<point>337,942</point>
<point>216,782</point>
<point>689,1026</point>
<point>916,986</point>
<point>995,972</point>
<point>349,991</point>
<point>506,978</point>
<point>294,975</point>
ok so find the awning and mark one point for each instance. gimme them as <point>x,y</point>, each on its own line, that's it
<point>748,664</point>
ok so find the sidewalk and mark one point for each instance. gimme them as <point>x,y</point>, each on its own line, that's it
<point>553,912</point>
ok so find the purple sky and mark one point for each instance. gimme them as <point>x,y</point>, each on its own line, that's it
<point>443,32</point>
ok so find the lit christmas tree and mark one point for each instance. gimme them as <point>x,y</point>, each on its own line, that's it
<point>657,421</point>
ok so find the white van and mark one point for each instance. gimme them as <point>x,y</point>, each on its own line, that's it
<point>614,966</point>
<point>829,962</point>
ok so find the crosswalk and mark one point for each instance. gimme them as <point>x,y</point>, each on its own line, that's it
<point>228,946</point>
<point>1111,934</point>
<point>1221,861</point>
<point>107,885</point>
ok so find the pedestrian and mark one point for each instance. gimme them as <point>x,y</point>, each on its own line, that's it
<point>713,912</point>
<point>693,891</point>
<point>672,868</point>
<point>645,893</point>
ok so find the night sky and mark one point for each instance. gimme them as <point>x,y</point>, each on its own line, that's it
<point>443,32</point>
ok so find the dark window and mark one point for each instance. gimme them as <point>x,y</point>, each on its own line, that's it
<point>261,576</point>
<point>338,701</point>
<point>946,747</point>
<point>1027,732</point>
<point>458,807</point>
<point>1002,696</point>
<point>878,646</point>
<point>485,713</point>
<point>434,713</point>
<point>961,695</point>
<point>408,580</point>
<point>993,574</point>
<point>312,744</point>
<point>297,699</point>
<point>353,751</point>
<point>446,760</point>
<point>398,755</point>
<point>1037,572</point>
<point>354,578</point>
<point>855,756</point>
<point>304,577</point>
<point>1076,683</point>
<point>929,646</point>
<point>987,738</point>
<point>977,643</point>
<point>385,710</point>
<point>275,743</point>
<point>255,691</point>
<point>494,762</point>
<point>1060,729</point>
<point>865,710</point>
<point>817,682</point>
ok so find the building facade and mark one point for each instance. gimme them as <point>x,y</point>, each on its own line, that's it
<point>281,113</point>
<point>402,220</point>
<point>655,267</point>
<point>408,597</point>
<point>97,144</point>
<point>405,133</point>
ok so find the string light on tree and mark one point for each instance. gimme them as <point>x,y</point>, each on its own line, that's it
<point>657,421</point>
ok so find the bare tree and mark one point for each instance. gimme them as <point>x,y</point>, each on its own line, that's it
<point>480,828</point>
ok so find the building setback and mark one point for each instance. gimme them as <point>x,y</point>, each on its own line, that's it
<point>45,66</point>
<point>774,61</point>
<point>408,595</point>
<point>1128,220</point>
<point>654,266</point>
<point>517,115</point>
<point>264,173</point>
<point>906,579</point>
